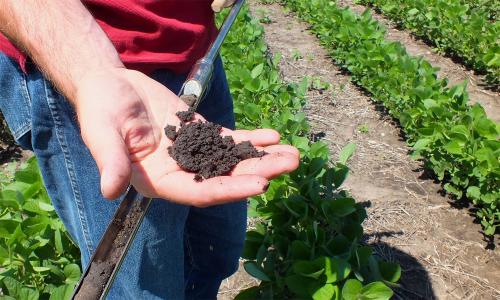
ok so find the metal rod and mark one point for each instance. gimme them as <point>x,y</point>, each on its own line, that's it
<point>113,246</point>
<point>197,80</point>
<point>214,48</point>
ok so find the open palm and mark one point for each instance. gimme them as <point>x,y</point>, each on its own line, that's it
<point>128,144</point>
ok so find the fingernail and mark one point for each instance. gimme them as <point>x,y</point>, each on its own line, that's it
<point>266,187</point>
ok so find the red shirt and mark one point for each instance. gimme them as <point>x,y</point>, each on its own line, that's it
<point>149,34</point>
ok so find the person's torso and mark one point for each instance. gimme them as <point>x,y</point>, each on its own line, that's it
<point>150,34</point>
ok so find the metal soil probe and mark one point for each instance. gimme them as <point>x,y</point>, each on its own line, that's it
<point>113,246</point>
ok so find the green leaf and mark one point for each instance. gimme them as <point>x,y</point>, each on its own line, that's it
<point>29,177</point>
<point>8,227</point>
<point>248,294</point>
<point>340,207</point>
<point>17,236</point>
<point>257,71</point>
<point>41,269</point>
<point>363,253</point>
<point>336,269</point>
<point>300,142</point>
<point>253,242</point>
<point>16,290</point>
<point>62,292</point>
<point>58,242</point>
<point>473,192</point>
<point>72,273</point>
<point>454,147</point>
<point>339,245</point>
<point>352,288</point>
<point>390,271</point>
<point>450,188</point>
<point>413,12</point>
<point>376,291</point>
<point>340,173</point>
<point>296,205</point>
<point>302,286</point>
<point>45,206</point>
<point>346,153</point>
<point>255,271</point>
<point>310,269</point>
<point>299,250</point>
<point>421,144</point>
<point>489,230</point>
<point>325,292</point>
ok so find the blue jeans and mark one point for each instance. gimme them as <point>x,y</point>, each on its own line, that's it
<point>180,252</point>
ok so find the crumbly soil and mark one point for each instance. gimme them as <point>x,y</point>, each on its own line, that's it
<point>101,269</point>
<point>199,148</point>
<point>441,250</point>
<point>455,72</point>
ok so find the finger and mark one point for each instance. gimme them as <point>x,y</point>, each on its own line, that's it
<point>111,155</point>
<point>268,166</point>
<point>181,187</point>
<point>258,137</point>
<point>218,5</point>
<point>281,148</point>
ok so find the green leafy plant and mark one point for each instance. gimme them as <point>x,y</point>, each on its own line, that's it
<point>308,243</point>
<point>38,260</point>
<point>456,140</point>
<point>364,128</point>
<point>296,55</point>
<point>467,29</point>
<point>315,83</point>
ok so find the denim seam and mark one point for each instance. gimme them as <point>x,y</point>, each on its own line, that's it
<point>25,126</point>
<point>70,169</point>
<point>21,130</point>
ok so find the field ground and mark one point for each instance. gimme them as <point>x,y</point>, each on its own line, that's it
<point>441,250</point>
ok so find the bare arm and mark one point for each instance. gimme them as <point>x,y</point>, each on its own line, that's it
<point>61,36</point>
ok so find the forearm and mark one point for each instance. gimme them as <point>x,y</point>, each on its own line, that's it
<point>62,38</point>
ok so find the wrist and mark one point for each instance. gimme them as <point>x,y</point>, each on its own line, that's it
<point>93,79</point>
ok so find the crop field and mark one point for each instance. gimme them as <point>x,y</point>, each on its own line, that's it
<point>395,108</point>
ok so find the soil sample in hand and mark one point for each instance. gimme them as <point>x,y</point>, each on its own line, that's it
<point>199,148</point>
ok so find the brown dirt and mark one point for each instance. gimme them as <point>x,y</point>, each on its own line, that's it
<point>440,248</point>
<point>456,73</point>
<point>199,148</point>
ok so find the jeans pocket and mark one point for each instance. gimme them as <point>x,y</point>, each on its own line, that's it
<point>15,101</point>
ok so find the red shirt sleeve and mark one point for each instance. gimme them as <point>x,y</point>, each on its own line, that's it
<point>149,34</point>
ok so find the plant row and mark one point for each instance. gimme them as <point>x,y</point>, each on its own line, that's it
<point>491,8</point>
<point>465,29</point>
<point>308,240</point>
<point>457,141</point>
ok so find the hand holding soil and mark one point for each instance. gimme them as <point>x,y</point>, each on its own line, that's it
<point>210,164</point>
<point>122,114</point>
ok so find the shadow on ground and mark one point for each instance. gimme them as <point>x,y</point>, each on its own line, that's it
<point>415,282</point>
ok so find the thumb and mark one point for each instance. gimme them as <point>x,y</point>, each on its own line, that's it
<point>218,5</point>
<point>111,155</point>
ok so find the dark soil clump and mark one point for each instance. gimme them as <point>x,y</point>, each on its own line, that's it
<point>198,147</point>
<point>185,116</point>
<point>189,99</point>
<point>170,132</point>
